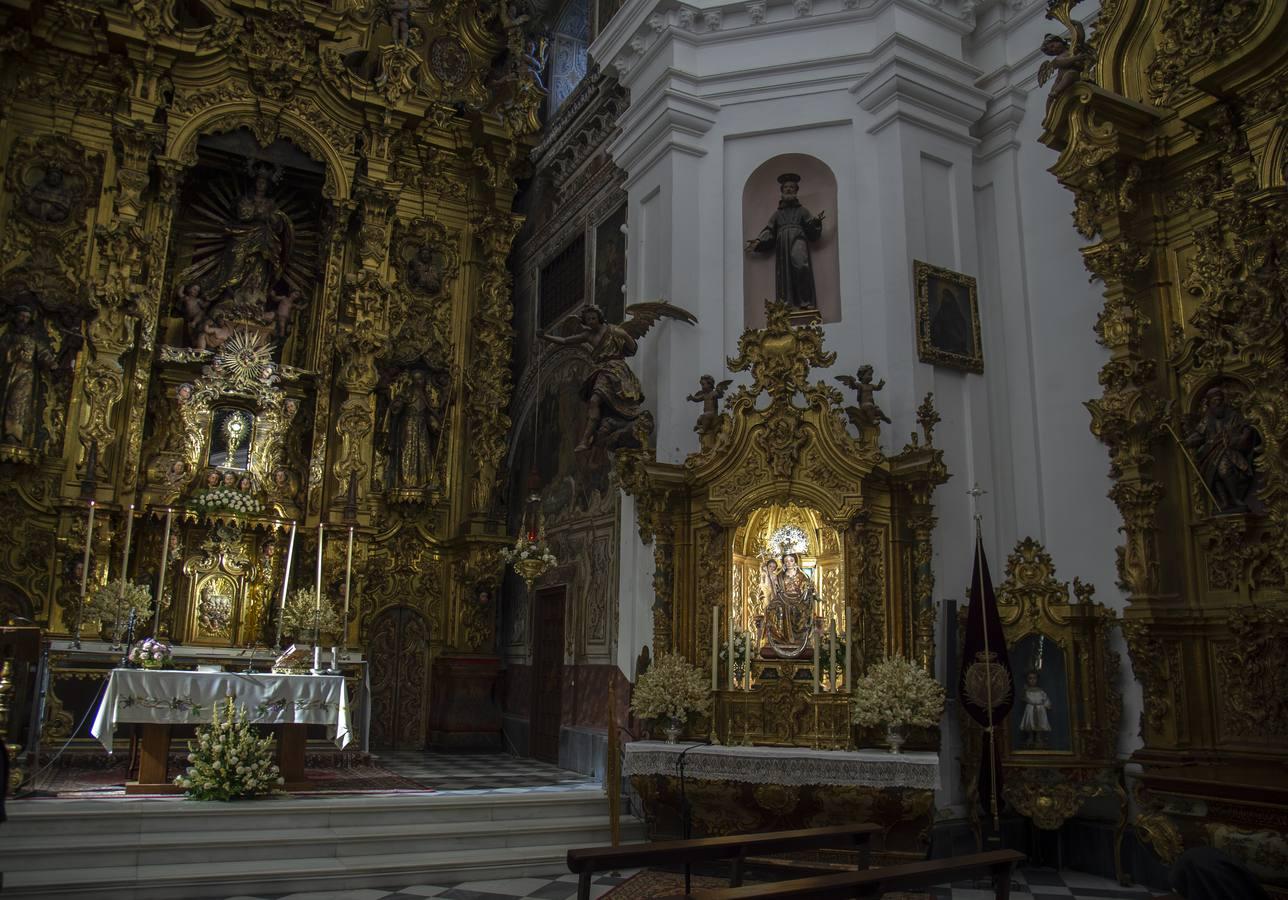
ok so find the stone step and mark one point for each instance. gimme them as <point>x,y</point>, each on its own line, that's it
<point>166,815</point>
<point>166,882</point>
<point>27,852</point>
<point>150,849</point>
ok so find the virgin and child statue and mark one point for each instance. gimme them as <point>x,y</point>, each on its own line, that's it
<point>791,609</point>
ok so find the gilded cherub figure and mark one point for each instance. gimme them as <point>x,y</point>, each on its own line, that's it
<point>867,414</point>
<point>708,395</point>
<point>612,392</point>
<point>1069,62</point>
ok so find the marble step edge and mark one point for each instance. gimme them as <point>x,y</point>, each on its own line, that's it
<point>22,844</point>
<point>53,808</point>
<point>269,871</point>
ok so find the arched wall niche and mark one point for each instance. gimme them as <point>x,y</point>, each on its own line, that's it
<point>760,196</point>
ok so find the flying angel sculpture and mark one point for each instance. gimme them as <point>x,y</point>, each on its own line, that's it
<point>612,391</point>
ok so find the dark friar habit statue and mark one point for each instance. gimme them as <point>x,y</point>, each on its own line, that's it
<point>788,235</point>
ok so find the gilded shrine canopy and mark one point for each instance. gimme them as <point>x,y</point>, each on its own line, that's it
<point>188,698</point>
<point>785,765</point>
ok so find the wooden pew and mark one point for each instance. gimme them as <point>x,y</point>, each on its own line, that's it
<point>586,862</point>
<point>876,882</point>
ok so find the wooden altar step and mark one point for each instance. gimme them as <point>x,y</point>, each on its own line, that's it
<point>146,849</point>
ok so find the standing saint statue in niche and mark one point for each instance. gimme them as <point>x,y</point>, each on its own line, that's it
<point>411,429</point>
<point>1035,725</point>
<point>25,355</point>
<point>790,616</point>
<point>1225,445</point>
<point>790,231</point>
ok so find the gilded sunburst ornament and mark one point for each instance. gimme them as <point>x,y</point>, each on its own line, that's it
<point>246,359</point>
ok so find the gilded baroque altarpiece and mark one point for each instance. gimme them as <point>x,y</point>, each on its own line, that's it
<point>1171,123</point>
<point>254,272</point>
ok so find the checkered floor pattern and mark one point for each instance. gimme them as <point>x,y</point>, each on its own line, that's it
<point>1032,884</point>
<point>496,773</point>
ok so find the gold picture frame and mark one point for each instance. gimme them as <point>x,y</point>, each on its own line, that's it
<point>947,334</point>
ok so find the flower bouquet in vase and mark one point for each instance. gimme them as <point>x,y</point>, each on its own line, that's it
<point>670,690</point>
<point>151,654</point>
<point>530,557</point>
<point>228,760</point>
<point>897,693</point>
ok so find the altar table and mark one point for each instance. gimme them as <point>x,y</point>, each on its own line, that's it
<point>742,790</point>
<point>785,765</point>
<point>161,699</point>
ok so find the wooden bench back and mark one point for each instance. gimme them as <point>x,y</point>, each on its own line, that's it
<point>875,882</point>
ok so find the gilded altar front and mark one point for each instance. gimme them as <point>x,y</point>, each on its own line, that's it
<point>256,309</point>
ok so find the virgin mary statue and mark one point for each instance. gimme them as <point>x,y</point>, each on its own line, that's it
<point>790,618</point>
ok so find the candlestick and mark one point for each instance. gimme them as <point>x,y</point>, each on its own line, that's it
<point>286,585</point>
<point>89,538</point>
<point>816,658</point>
<point>321,540</point>
<point>125,568</point>
<point>165,558</point>
<point>731,680</point>
<point>317,657</point>
<point>715,650</point>
<point>348,578</point>
<point>831,654</point>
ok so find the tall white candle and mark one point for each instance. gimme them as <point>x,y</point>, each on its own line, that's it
<point>125,568</point>
<point>849,642</point>
<point>715,648</point>
<point>731,680</point>
<point>348,580</point>
<point>165,558</point>
<point>816,658</point>
<point>286,586</point>
<point>831,654</point>
<point>321,540</point>
<point>89,539</point>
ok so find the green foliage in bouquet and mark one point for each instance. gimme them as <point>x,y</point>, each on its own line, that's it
<point>228,760</point>
<point>301,611</point>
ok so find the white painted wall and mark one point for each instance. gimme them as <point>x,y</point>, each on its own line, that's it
<point>929,117</point>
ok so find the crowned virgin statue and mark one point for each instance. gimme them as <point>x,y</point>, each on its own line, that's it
<point>790,614</point>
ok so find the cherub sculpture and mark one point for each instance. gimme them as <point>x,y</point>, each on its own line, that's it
<point>612,391</point>
<point>867,414</point>
<point>1069,62</point>
<point>709,396</point>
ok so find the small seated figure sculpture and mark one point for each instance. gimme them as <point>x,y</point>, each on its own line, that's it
<point>790,617</point>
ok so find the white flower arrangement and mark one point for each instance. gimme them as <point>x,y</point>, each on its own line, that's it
<point>228,761</point>
<point>226,499</point>
<point>743,642</point>
<point>151,654</point>
<point>300,614</point>
<point>527,549</point>
<point>106,603</point>
<point>896,692</point>
<point>671,688</point>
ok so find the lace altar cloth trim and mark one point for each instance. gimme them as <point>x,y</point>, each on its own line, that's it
<point>173,697</point>
<point>785,765</point>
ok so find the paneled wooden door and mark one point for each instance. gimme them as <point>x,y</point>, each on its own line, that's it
<point>547,673</point>
<point>399,654</point>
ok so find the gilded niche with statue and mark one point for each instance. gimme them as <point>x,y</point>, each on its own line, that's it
<point>1169,124</point>
<point>810,546</point>
<point>258,279</point>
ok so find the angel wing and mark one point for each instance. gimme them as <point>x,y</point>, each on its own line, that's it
<point>849,381</point>
<point>1045,71</point>
<point>644,315</point>
<point>723,386</point>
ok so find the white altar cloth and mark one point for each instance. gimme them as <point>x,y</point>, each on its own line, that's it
<point>785,765</point>
<point>167,697</point>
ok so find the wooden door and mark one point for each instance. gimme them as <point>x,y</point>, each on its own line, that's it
<point>547,673</point>
<point>399,654</point>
